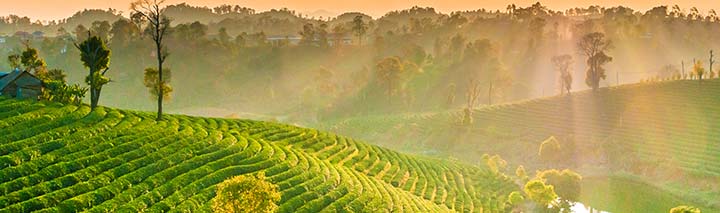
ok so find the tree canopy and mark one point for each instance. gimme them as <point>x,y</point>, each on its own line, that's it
<point>95,56</point>
<point>594,47</point>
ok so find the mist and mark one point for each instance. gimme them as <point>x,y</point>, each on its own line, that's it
<point>608,89</point>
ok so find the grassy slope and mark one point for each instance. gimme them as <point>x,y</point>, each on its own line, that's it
<point>67,158</point>
<point>665,131</point>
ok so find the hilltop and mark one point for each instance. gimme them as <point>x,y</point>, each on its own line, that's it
<point>68,158</point>
<point>665,133</point>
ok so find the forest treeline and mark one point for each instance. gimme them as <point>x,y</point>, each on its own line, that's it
<point>233,59</point>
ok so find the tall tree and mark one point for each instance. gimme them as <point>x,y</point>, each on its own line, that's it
<point>472,94</point>
<point>338,35</point>
<point>308,34</point>
<point>457,48</point>
<point>593,46</point>
<point>15,61</point>
<point>699,70</point>
<point>536,30</point>
<point>123,31</point>
<point>359,28</point>
<point>241,40</point>
<point>32,62</point>
<point>101,29</point>
<point>390,73</point>
<point>197,30</point>
<point>712,61</point>
<point>95,56</point>
<point>481,61</point>
<point>223,36</point>
<point>158,25</point>
<point>325,83</point>
<point>322,35</point>
<point>81,33</point>
<point>562,64</point>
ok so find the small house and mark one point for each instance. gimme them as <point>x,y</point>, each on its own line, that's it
<point>277,40</point>
<point>38,35</point>
<point>335,39</point>
<point>23,35</point>
<point>20,84</point>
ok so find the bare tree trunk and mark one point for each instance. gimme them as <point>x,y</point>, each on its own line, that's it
<point>93,94</point>
<point>160,77</point>
<point>682,63</point>
<point>490,94</point>
<point>152,11</point>
<point>595,76</point>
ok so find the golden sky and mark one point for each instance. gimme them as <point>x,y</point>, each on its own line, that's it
<point>56,9</point>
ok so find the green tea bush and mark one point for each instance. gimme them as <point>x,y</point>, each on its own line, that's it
<point>248,193</point>
<point>685,209</point>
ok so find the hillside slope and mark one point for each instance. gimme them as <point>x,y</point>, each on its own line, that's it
<point>65,158</point>
<point>668,132</point>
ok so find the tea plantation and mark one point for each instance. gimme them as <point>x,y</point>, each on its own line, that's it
<point>67,158</point>
<point>667,131</point>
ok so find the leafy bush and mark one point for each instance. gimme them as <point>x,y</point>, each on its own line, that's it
<point>540,193</point>
<point>685,209</point>
<point>495,163</point>
<point>515,198</point>
<point>550,150</point>
<point>566,184</point>
<point>246,193</point>
<point>60,91</point>
<point>521,173</point>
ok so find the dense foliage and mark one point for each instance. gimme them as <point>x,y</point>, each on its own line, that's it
<point>246,193</point>
<point>685,209</point>
<point>508,53</point>
<point>542,194</point>
<point>567,186</point>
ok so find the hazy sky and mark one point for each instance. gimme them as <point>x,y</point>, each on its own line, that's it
<point>57,9</point>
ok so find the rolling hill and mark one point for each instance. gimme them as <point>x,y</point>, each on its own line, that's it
<point>666,133</point>
<point>67,158</point>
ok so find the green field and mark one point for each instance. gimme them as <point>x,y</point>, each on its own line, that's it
<point>66,158</point>
<point>667,133</point>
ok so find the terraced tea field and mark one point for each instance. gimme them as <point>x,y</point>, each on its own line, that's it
<point>66,158</point>
<point>669,130</point>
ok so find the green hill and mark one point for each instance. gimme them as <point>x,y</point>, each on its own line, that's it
<point>666,133</point>
<point>65,158</point>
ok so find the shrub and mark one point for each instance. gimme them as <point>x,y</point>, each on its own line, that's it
<point>566,184</point>
<point>521,173</point>
<point>685,209</point>
<point>515,198</point>
<point>495,163</point>
<point>550,150</point>
<point>540,193</point>
<point>246,193</point>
